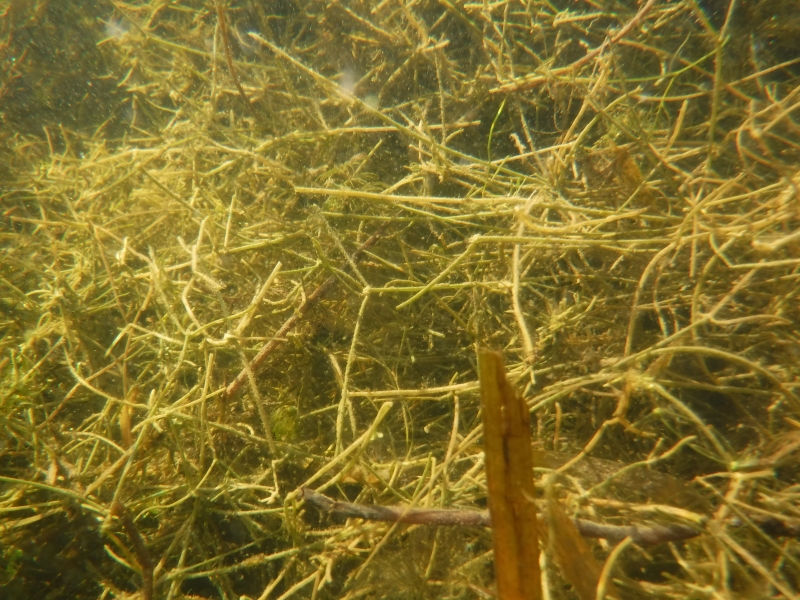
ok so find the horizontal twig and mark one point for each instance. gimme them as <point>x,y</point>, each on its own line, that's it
<point>644,535</point>
<point>657,534</point>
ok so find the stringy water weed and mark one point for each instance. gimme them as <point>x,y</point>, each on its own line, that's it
<point>605,191</point>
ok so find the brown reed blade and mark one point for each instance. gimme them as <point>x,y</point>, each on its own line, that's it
<point>509,477</point>
<point>578,565</point>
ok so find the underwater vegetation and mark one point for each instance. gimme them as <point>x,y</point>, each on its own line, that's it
<point>250,251</point>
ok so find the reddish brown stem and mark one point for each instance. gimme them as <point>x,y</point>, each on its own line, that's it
<point>289,324</point>
<point>657,534</point>
<point>142,554</point>
<point>223,27</point>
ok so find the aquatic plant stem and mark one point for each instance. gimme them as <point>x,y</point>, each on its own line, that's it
<point>226,42</point>
<point>289,324</point>
<point>451,517</point>
<point>142,554</point>
<point>345,399</point>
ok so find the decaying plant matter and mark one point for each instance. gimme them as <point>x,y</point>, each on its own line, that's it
<point>606,191</point>
<point>510,490</point>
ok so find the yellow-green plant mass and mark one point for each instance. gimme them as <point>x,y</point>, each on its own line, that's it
<point>606,191</point>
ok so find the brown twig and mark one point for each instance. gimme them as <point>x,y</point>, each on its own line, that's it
<point>289,324</point>
<point>657,534</point>
<point>223,27</point>
<point>397,514</point>
<point>142,555</point>
<point>644,536</point>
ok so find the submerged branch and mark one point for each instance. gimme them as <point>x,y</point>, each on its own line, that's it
<point>657,534</point>
<point>643,535</point>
